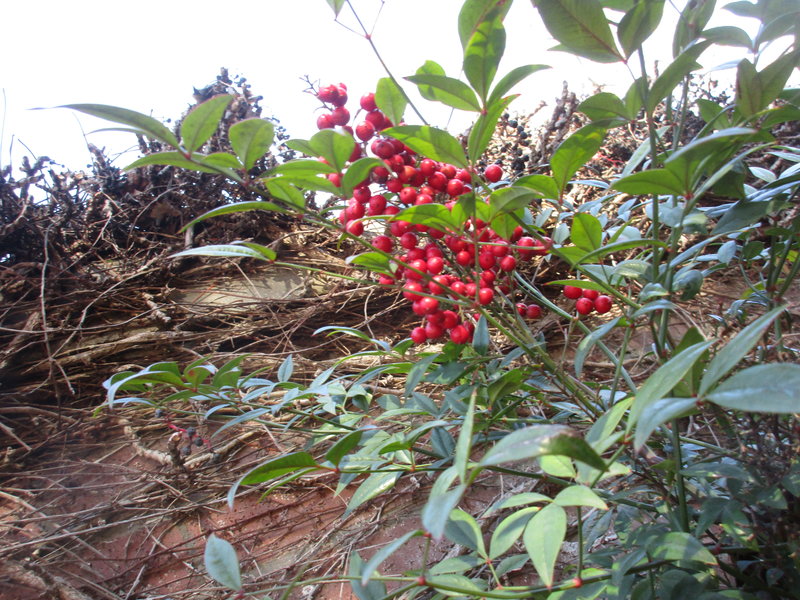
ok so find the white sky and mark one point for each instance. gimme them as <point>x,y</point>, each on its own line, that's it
<point>149,55</point>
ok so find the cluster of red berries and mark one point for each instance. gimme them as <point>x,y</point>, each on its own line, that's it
<point>588,300</point>
<point>468,267</point>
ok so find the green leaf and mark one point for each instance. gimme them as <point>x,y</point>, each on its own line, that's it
<point>373,486</point>
<point>755,90</point>
<point>384,553</point>
<point>480,339</point>
<point>581,27</point>
<point>509,529</point>
<point>728,36</point>
<point>735,350</point>
<point>441,502</point>
<point>374,262</point>
<point>432,215</point>
<point>342,446</point>
<point>429,68</point>
<point>651,182</point>
<point>586,232</point>
<point>434,143</point>
<point>475,12</point>
<point>234,208</point>
<point>201,123</point>
<point>251,139</point>
<point>510,79</point>
<point>463,529</point>
<point>638,24</point>
<point>390,99</point>
<point>143,124</point>
<point>447,90</point>
<point>272,469</point>
<point>543,537</point>
<point>484,127</point>
<point>358,172</point>
<point>336,6</point>
<point>173,158</point>
<point>659,412</point>
<point>284,189</point>
<point>483,53</point>
<point>679,546</point>
<point>222,159</point>
<point>222,564</point>
<point>374,590</point>
<point>235,250</point>
<point>770,388</point>
<point>545,185</point>
<point>302,166</point>
<point>588,342</point>
<point>574,152</point>
<point>579,495</point>
<point>673,74</point>
<point>458,586</point>
<point>334,147</point>
<point>539,440</point>
<point>605,105</point>
<point>464,443</point>
<point>691,23</point>
<point>668,375</point>
<point>510,199</point>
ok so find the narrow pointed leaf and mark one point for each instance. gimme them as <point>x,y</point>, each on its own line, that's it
<point>390,99</point>
<point>483,53</point>
<point>679,546</point>
<point>581,27</point>
<point>735,350</point>
<point>638,24</point>
<point>463,529</point>
<point>234,208</point>
<point>659,412</point>
<point>668,375</point>
<point>251,139</point>
<point>148,126</point>
<point>447,90</point>
<point>509,530</point>
<point>586,232</point>
<point>201,123</point>
<point>384,553</point>
<point>334,147</point>
<point>540,440</point>
<point>574,152</point>
<point>482,131</point>
<point>373,486</point>
<point>543,537</point>
<point>652,181</point>
<point>512,78</point>
<point>434,143</point>
<point>579,495</point>
<point>374,590</point>
<point>770,388</point>
<point>221,563</point>
<point>430,67</point>
<point>173,158</point>
<point>229,250</point>
<point>475,12</point>
<point>673,74</point>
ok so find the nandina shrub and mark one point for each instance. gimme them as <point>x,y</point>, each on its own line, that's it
<point>687,507</point>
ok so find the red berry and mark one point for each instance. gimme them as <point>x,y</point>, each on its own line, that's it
<point>408,240</point>
<point>382,148</point>
<point>590,294</point>
<point>367,102</point>
<point>464,175</point>
<point>449,319</point>
<point>533,311</point>
<point>365,130</point>
<point>464,258</point>
<point>459,334</point>
<point>340,116</point>
<point>325,121</point>
<point>423,199</point>
<point>435,265</point>
<point>458,287</point>
<point>427,167</point>
<point>355,227</point>
<point>438,181</point>
<point>383,242</point>
<point>362,194</point>
<point>410,290</point>
<point>430,305</point>
<point>394,185</point>
<point>521,308</point>
<point>455,187</point>
<point>500,249</point>
<point>486,260</point>
<point>377,118</point>
<point>572,292</point>
<point>376,205</point>
<point>602,304</point>
<point>408,195</point>
<point>584,306</point>
<point>527,244</point>
<point>418,335</point>
<point>485,296</point>
<point>448,171</point>
<point>508,263</point>
<point>493,173</point>
<point>433,331</point>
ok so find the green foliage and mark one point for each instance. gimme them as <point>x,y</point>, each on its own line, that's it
<point>616,452</point>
